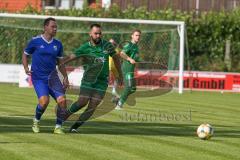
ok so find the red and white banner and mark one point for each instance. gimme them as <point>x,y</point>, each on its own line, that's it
<point>195,80</point>
<point>211,81</point>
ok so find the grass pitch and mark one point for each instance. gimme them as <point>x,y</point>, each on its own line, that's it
<point>160,127</point>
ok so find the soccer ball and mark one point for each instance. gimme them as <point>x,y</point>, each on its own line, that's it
<point>205,131</point>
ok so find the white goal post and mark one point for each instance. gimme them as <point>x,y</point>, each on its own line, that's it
<point>180,25</point>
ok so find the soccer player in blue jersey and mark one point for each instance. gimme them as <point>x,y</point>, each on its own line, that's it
<point>46,53</point>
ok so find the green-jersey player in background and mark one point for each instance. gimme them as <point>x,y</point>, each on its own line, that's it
<point>130,55</point>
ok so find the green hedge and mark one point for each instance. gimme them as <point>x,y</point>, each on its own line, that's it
<point>206,33</point>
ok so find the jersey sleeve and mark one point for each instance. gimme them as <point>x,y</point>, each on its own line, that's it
<point>79,51</point>
<point>60,52</point>
<point>126,49</point>
<point>31,46</point>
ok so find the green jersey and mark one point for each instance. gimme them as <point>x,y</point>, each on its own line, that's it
<point>101,51</point>
<point>132,51</point>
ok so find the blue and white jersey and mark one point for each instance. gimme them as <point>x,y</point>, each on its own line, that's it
<point>44,56</point>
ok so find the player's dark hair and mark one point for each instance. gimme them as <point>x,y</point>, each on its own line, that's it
<point>136,30</point>
<point>95,25</point>
<point>46,21</point>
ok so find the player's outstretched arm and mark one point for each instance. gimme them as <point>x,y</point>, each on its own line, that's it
<point>25,64</point>
<point>67,59</point>
<point>126,57</point>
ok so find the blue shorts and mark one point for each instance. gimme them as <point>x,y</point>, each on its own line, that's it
<point>44,88</point>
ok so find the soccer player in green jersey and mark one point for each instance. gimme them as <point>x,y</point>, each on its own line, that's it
<point>130,55</point>
<point>92,90</point>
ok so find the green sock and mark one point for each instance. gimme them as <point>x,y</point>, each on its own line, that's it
<point>73,108</point>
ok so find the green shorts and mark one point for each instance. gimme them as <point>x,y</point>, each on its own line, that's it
<point>98,87</point>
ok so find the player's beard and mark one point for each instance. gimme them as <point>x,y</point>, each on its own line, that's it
<point>96,41</point>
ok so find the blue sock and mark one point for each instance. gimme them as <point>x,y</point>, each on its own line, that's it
<point>60,115</point>
<point>39,112</point>
<point>59,121</point>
